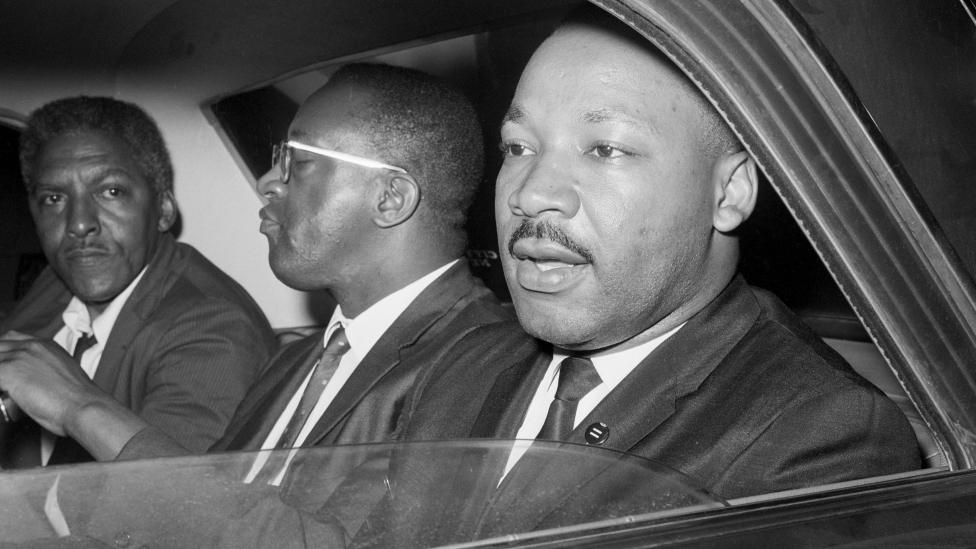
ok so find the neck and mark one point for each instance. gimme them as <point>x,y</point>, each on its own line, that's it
<point>366,290</point>
<point>96,309</point>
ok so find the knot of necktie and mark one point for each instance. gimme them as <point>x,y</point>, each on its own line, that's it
<point>337,346</point>
<point>85,342</point>
<point>577,377</point>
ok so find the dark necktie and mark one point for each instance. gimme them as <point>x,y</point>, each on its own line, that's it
<point>577,377</point>
<point>321,373</point>
<point>85,342</point>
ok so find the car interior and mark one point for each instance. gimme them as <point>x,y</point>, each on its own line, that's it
<point>776,254</point>
<point>485,61</point>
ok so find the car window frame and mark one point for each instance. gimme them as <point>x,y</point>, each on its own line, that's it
<point>860,210</point>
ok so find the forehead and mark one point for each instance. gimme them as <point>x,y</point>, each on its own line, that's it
<point>330,114</point>
<point>597,76</point>
<point>84,149</point>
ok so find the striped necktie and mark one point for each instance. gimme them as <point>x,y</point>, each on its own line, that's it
<point>321,373</point>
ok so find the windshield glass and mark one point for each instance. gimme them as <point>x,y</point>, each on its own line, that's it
<point>379,495</point>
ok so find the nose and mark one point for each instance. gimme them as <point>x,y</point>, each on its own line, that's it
<point>540,188</point>
<point>270,186</point>
<point>82,217</point>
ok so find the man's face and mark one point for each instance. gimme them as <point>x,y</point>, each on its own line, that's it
<point>97,216</point>
<point>604,202</point>
<point>314,222</point>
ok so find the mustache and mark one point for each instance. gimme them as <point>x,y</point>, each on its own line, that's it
<point>86,246</point>
<point>546,230</point>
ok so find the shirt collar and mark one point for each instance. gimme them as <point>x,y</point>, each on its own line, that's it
<point>366,329</point>
<point>78,320</point>
<point>614,366</point>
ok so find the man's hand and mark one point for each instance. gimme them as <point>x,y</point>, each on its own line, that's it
<point>49,386</point>
<point>44,381</point>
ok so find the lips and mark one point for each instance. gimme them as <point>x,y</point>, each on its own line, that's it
<point>84,255</point>
<point>268,223</point>
<point>546,267</point>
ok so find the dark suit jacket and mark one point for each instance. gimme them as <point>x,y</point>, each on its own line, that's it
<point>184,350</point>
<point>743,399</point>
<point>369,408</point>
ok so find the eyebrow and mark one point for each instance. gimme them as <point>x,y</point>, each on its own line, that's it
<point>91,173</point>
<point>299,135</point>
<point>601,116</point>
<point>514,114</point>
<point>103,172</point>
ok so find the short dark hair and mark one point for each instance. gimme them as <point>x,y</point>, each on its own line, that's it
<point>428,127</point>
<point>719,136</point>
<point>119,119</point>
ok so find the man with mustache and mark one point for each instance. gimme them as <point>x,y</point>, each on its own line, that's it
<point>617,207</point>
<point>124,311</point>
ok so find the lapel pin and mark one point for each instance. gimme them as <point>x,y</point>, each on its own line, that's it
<point>597,433</point>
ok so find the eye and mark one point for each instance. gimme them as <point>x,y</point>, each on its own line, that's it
<point>515,148</point>
<point>113,192</point>
<point>50,199</point>
<point>608,152</point>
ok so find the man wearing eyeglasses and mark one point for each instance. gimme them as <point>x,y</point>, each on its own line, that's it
<point>366,200</point>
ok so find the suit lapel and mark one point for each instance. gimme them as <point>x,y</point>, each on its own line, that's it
<point>268,397</point>
<point>649,394</point>
<point>644,400</point>
<point>509,398</point>
<point>163,269</point>
<point>550,478</point>
<point>436,301</point>
<point>476,473</point>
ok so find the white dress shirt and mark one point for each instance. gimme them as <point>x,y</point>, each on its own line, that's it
<point>612,366</point>
<point>362,332</point>
<point>77,323</point>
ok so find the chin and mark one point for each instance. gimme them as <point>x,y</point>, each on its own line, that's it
<point>564,329</point>
<point>286,278</point>
<point>96,295</point>
<point>295,279</point>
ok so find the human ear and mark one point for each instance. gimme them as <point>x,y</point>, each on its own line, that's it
<point>398,200</point>
<point>167,211</point>
<point>736,185</point>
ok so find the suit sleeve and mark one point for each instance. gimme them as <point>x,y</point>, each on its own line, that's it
<point>150,443</point>
<point>836,436</point>
<point>202,362</point>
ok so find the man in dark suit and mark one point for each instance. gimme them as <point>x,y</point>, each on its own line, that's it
<point>366,200</point>
<point>383,237</point>
<point>154,327</point>
<point>616,209</point>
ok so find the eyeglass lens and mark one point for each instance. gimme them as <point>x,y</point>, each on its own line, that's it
<point>281,157</point>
